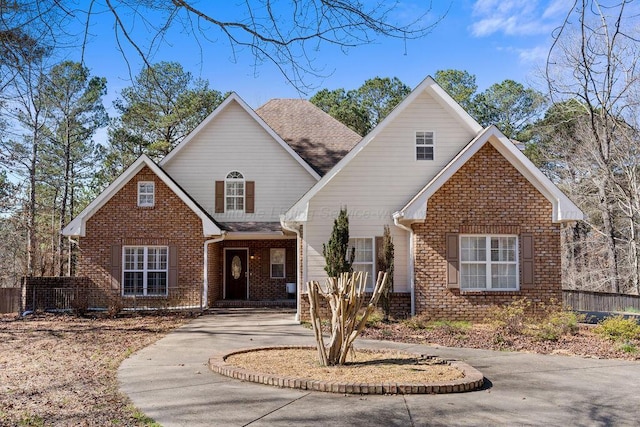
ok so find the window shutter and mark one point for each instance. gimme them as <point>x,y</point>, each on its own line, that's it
<point>266,262</point>
<point>453,260</point>
<point>219,197</point>
<point>378,243</point>
<point>250,187</point>
<point>173,267</point>
<point>526,263</point>
<point>116,266</point>
<point>290,267</point>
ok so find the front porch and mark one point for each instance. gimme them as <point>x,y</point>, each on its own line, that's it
<point>256,272</point>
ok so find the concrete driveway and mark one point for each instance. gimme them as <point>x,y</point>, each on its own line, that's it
<point>171,383</point>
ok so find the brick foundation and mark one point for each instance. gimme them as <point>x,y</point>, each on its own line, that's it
<point>400,306</point>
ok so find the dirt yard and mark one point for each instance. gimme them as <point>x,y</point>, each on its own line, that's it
<point>61,370</point>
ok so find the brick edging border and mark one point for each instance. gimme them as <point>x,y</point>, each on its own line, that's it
<point>472,380</point>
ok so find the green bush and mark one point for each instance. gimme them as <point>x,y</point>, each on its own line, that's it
<point>618,328</point>
<point>557,324</point>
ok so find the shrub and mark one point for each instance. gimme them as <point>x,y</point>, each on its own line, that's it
<point>374,318</point>
<point>549,323</point>
<point>416,322</point>
<point>509,319</point>
<point>618,328</point>
<point>451,327</point>
<point>557,324</point>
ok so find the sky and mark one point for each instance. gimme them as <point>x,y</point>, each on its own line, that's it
<point>492,39</point>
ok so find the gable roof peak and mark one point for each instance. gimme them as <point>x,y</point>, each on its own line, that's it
<point>77,226</point>
<point>234,97</point>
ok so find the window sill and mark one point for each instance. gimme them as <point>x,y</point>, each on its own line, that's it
<point>489,291</point>
<point>145,296</point>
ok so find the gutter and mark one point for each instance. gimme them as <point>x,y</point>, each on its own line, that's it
<point>397,216</point>
<point>205,285</point>
<point>296,230</point>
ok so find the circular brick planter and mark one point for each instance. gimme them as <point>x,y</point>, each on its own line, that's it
<point>472,380</point>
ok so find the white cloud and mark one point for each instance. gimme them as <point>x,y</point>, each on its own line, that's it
<point>555,8</point>
<point>515,17</point>
<point>535,55</point>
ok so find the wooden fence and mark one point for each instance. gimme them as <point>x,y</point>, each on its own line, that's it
<point>599,301</point>
<point>10,300</point>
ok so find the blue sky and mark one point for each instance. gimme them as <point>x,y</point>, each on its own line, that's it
<point>493,39</point>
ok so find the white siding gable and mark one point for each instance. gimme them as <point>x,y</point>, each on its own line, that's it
<point>235,141</point>
<point>382,177</point>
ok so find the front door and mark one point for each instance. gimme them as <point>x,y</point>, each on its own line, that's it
<point>235,276</point>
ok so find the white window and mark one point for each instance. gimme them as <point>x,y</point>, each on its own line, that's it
<point>234,192</point>
<point>424,145</point>
<point>489,262</point>
<point>277,263</point>
<point>145,270</point>
<point>146,193</point>
<point>364,257</point>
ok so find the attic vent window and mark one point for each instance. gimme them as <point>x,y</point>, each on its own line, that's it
<point>424,145</point>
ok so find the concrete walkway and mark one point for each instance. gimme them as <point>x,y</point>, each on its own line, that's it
<point>171,383</point>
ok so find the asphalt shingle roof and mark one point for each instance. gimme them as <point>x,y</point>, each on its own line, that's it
<point>318,138</point>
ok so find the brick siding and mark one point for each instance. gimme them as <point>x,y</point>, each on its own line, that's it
<point>121,222</point>
<point>400,306</point>
<point>172,223</point>
<point>486,196</point>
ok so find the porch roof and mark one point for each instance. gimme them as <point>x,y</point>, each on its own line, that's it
<point>254,230</point>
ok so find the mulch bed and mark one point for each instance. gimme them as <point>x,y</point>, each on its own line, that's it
<point>585,343</point>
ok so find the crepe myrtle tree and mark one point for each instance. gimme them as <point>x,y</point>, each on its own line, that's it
<point>344,291</point>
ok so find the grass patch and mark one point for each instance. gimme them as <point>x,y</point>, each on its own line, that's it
<point>141,418</point>
<point>628,347</point>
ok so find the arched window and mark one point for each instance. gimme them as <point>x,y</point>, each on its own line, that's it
<point>234,192</point>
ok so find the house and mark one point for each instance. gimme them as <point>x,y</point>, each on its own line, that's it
<point>239,210</point>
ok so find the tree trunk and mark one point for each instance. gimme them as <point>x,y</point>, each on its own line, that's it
<point>345,296</point>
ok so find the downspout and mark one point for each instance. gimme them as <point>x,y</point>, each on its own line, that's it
<point>396,221</point>
<point>296,230</point>
<point>205,286</point>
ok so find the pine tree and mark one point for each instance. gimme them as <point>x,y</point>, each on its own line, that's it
<point>336,254</point>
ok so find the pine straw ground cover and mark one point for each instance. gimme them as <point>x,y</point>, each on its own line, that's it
<point>361,366</point>
<point>553,333</point>
<point>61,370</point>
